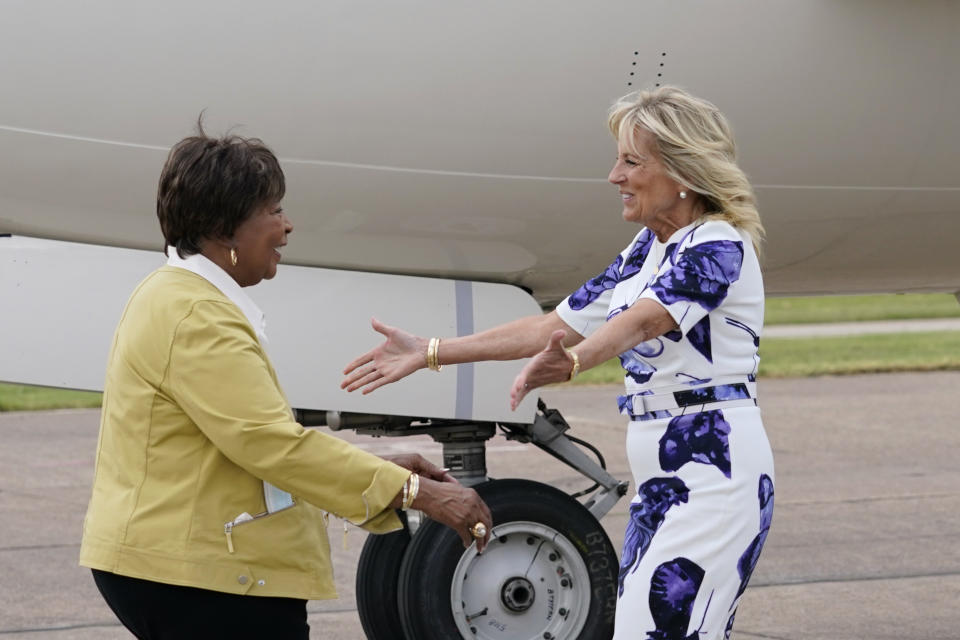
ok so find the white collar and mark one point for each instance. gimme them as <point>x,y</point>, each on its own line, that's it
<point>212,273</point>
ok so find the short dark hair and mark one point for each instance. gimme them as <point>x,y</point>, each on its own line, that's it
<point>209,186</point>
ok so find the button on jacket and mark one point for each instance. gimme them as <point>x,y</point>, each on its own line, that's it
<point>193,423</point>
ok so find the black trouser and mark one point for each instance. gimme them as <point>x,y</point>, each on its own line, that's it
<point>158,611</point>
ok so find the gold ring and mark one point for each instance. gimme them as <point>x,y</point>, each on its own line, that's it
<point>478,530</point>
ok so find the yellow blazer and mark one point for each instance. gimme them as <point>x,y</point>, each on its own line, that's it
<point>193,421</point>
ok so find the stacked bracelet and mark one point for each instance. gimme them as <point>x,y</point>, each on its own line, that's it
<point>410,490</point>
<point>433,354</point>
<point>576,364</point>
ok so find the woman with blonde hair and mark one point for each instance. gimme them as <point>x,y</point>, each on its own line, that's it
<point>682,308</point>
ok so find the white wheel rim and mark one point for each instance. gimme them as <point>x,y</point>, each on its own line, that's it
<point>527,566</point>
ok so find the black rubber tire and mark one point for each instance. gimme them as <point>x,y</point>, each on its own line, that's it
<point>378,573</point>
<point>431,559</point>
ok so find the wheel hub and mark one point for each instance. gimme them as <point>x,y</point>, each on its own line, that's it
<point>490,600</point>
<point>518,594</point>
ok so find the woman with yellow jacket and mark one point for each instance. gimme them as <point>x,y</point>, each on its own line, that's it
<point>209,501</point>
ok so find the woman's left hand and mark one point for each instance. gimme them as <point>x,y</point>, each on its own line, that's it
<point>553,364</point>
<point>418,464</point>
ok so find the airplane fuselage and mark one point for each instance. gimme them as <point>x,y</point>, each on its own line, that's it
<point>468,141</point>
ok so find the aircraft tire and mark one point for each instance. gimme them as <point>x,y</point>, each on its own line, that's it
<point>549,572</point>
<point>377,573</point>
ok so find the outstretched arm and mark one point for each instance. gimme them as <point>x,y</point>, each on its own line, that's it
<point>643,321</point>
<point>403,353</point>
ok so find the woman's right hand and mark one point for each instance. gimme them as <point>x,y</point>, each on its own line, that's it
<point>400,355</point>
<point>457,507</point>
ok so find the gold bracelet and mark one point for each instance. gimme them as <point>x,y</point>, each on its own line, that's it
<point>410,490</point>
<point>433,354</point>
<point>415,489</point>
<point>576,364</point>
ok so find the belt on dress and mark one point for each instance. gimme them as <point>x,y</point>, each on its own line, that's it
<point>730,394</point>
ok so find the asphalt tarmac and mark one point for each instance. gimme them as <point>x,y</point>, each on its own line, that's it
<point>865,541</point>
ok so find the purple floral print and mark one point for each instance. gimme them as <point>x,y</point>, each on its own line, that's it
<point>673,590</point>
<point>618,271</point>
<point>696,437</point>
<point>656,495</point>
<point>594,288</point>
<point>748,561</point>
<point>702,274</point>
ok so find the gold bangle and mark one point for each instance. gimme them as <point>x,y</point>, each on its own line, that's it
<point>410,490</point>
<point>576,364</point>
<point>433,354</point>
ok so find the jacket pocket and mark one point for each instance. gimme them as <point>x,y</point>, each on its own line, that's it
<point>282,539</point>
<point>246,518</point>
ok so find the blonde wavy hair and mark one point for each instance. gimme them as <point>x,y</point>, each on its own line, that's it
<point>696,146</point>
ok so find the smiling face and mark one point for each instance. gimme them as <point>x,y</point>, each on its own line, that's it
<point>650,196</point>
<point>258,240</point>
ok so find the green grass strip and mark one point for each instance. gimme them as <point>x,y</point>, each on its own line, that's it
<point>15,397</point>
<point>860,308</point>
<point>840,355</point>
<point>876,353</point>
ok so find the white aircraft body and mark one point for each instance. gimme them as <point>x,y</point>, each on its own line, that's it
<point>469,141</point>
<point>446,164</point>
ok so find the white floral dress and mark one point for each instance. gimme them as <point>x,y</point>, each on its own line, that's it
<point>701,462</point>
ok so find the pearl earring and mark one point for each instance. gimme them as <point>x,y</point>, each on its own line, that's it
<point>683,195</point>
